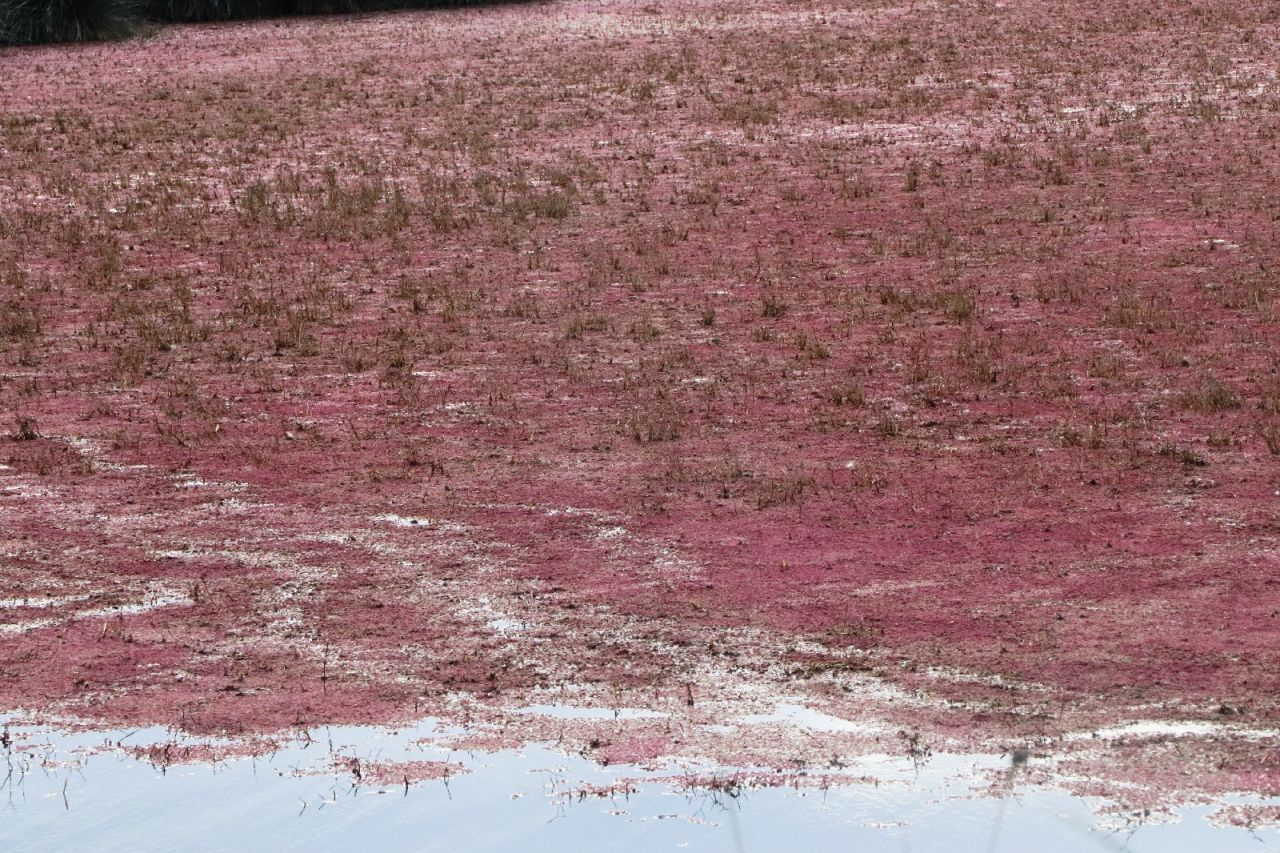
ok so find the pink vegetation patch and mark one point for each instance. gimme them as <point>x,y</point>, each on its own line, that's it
<point>390,773</point>
<point>167,753</point>
<point>918,362</point>
<point>634,750</point>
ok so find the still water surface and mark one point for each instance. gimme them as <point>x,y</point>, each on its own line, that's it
<point>80,791</point>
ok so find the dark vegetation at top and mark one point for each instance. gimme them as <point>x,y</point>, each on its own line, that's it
<point>41,21</point>
<point>36,21</point>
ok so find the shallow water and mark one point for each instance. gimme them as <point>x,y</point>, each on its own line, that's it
<point>79,790</point>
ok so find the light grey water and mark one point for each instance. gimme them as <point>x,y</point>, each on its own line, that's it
<point>64,792</point>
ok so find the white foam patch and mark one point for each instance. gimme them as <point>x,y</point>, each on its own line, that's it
<point>41,601</point>
<point>116,610</point>
<point>804,717</point>
<point>1173,729</point>
<point>573,712</point>
<point>25,491</point>
<point>418,521</point>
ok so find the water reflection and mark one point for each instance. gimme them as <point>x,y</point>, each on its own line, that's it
<point>407,789</point>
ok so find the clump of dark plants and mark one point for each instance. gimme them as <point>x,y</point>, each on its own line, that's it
<point>203,10</point>
<point>25,429</point>
<point>37,21</point>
